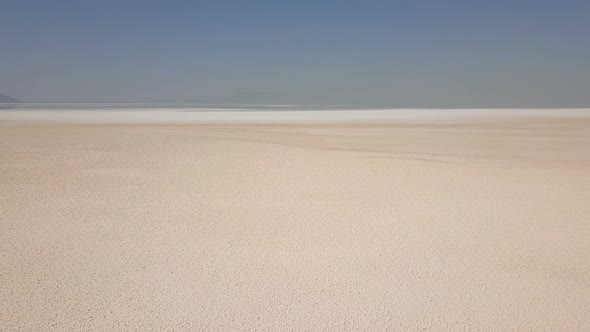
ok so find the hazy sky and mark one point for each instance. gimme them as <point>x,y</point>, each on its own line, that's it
<point>414,53</point>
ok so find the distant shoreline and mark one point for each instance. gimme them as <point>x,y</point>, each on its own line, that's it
<point>252,107</point>
<point>270,115</point>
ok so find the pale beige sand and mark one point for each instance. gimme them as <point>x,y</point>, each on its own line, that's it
<point>450,226</point>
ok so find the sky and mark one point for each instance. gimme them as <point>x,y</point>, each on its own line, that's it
<point>413,53</point>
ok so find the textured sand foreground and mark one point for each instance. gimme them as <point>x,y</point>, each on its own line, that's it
<point>477,225</point>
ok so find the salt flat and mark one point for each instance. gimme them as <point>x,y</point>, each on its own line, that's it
<point>118,113</point>
<point>476,224</point>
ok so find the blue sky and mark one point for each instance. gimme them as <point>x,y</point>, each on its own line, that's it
<point>414,53</point>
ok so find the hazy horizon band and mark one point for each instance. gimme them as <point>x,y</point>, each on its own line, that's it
<point>254,115</point>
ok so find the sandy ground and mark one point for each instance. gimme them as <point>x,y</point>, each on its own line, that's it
<point>473,225</point>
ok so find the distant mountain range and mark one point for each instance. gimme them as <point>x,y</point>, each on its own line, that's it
<point>7,99</point>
